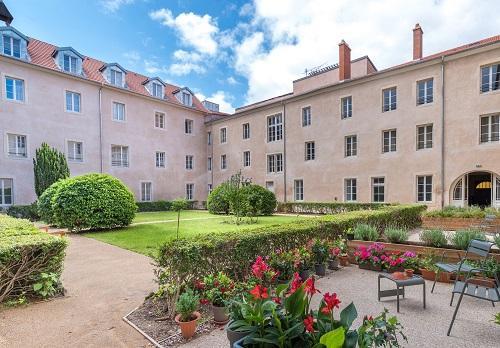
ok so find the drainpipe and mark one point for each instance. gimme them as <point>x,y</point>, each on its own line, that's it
<point>284,151</point>
<point>100,131</point>
<point>442,132</point>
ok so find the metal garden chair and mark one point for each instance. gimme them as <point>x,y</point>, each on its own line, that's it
<point>476,291</point>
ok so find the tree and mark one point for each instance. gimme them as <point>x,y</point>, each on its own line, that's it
<point>238,202</point>
<point>49,166</point>
<point>179,205</point>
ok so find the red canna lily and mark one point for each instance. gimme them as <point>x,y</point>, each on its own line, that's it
<point>259,267</point>
<point>331,302</point>
<point>259,292</point>
<point>310,288</point>
<point>308,323</point>
<point>296,283</point>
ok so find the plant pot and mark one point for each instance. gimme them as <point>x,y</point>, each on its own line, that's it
<point>333,264</point>
<point>220,314</point>
<point>234,336</point>
<point>409,273</point>
<point>395,269</point>
<point>188,328</point>
<point>444,277</point>
<point>344,261</point>
<point>486,282</point>
<point>304,274</point>
<point>365,266</point>
<point>377,267</point>
<point>320,269</point>
<point>239,343</point>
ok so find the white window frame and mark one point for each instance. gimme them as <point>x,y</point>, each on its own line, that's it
<point>346,107</point>
<point>74,96</point>
<point>392,140</point>
<point>72,153</point>
<point>190,191</point>
<point>209,188</point>
<point>16,153</point>
<point>306,116</point>
<point>246,130</point>
<point>426,98</point>
<point>160,159</point>
<point>428,136</point>
<point>492,135</point>
<point>425,186</point>
<point>156,90</point>
<point>146,191</point>
<point>116,107</point>
<point>223,161</point>
<point>124,155</point>
<point>72,66</point>
<point>188,126</point>
<point>186,98</point>
<point>247,158</point>
<point>298,190</point>
<point>309,151</point>
<point>376,186</point>
<point>351,145</point>
<point>350,189</point>
<point>490,83</point>
<point>2,192</point>
<point>275,163</point>
<point>16,97</point>
<point>113,74</point>
<point>274,127</point>
<point>189,165</point>
<point>160,120</point>
<point>11,39</point>
<point>209,163</point>
<point>389,102</point>
<point>223,135</point>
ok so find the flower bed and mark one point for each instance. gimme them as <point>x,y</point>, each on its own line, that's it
<point>377,258</point>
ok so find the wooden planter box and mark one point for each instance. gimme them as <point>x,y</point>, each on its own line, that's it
<point>444,277</point>
<point>453,224</point>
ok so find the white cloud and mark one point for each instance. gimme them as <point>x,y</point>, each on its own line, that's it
<point>220,97</point>
<point>194,30</point>
<point>231,80</point>
<point>114,5</point>
<point>246,9</point>
<point>132,57</point>
<point>286,37</point>
<point>180,69</point>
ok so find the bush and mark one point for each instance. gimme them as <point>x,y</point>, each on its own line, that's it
<point>396,235</point>
<point>49,166</point>
<point>434,237</point>
<point>496,239</point>
<point>462,238</point>
<point>233,252</point>
<point>44,204</point>
<point>29,212</point>
<point>92,201</point>
<point>26,255</point>
<point>463,212</point>
<point>260,201</point>
<point>365,232</point>
<point>326,207</point>
<point>154,206</point>
<point>218,200</point>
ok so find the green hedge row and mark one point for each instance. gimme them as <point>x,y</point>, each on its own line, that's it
<point>464,212</point>
<point>29,212</point>
<point>26,253</point>
<point>233,252</point>
<point>163,205</point>
<point>326,207</point>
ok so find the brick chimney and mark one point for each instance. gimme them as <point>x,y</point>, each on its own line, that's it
<point>344,61</point>
<point>417,42</point>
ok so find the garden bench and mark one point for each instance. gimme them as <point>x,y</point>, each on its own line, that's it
<point>400,286</point>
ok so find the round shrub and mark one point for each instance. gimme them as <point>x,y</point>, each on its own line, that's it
<point>44,204</point>
<point>218,200</point>
<point>260,200</point>
<point>435,238</point>
<point>396,235</point>
<point>365,232</point>
<point>93,201</point>
<point>462,238</point>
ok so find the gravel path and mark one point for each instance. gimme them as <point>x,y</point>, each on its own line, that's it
<point>103,284</point>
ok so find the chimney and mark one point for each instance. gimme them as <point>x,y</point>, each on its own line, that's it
<point>417,42</point>
<point>344,61</point>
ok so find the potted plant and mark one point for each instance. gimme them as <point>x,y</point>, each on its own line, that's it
<point>187,316</point>
<point>302,262</point>
<point>320,255</point>
<point>393,262</point>
<point>218,290</point>
<point>333,260</point>
<point>234,330</point>
<point>370,257</point>
<point>283,263</point>
<point>429,269</point>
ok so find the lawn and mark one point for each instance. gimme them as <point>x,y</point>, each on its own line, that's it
<point>149,232</point>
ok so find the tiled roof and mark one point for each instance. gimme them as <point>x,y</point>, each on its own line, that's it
<point>41,54</point>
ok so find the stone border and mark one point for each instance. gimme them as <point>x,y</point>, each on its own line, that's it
<point>149,338</point>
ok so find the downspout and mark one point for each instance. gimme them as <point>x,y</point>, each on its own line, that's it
<point>212,155</point>
<point>100,131</point>
<point>284,152</point>
<point>442,132</point>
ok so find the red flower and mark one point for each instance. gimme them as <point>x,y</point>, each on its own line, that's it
<point>259,292</point>
<point>331,302</point>
<point>199,285</point>
<point>296,283</point>
<point>259,267</point>
<point>310,288</point>
<point>308,323</point>
<point>277,300</point>
<point>204,301</point>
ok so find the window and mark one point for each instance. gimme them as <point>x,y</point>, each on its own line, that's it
<point>14,89</point>
<point>119,156</point>
<point>246,130</point>
<point>223,162</point>
<point>306,116</point>
<point>118,112</point>
<point>189,162</point>
<point>11,46</point>
<point>350,190</point>
<point>116,77</point>
<point>351,145</point>
<point>6,188</point>
<point>490,128</point>
<point>274,128</point>
<point>189,192</point>
<point>497,190</point>
<point>457,191</point>
<point>73,101</point>
<point>210,188</point>
<point>188,126</point>
<point>157,90</point>
<point>389,141</point>
<point>270,186</point>
<point>146,188</point>
<point>17,145</point>
<point>246,159</point>
<point>490,78</point>
<point>298,189</point>
<point>346,107</point>
<point>186,99</point>
<point>223,135</point>
<point>209,164</point>
<point>389,99</point>
<point>424,137</point>
<point>378,190</point>
<point>310,153</point>
<point>160,159</point>
<point>75,151</point>
<point>275,163</point>
<point>160,120</point>
<point>209,138</point>
<point>70,64</point>
<point>424,91</point>
<point>424,188</point>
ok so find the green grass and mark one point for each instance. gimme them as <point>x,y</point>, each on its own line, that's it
<point>145,238</point>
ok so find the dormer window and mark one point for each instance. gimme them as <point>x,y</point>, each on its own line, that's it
<point>187,99</point>
<point>155,86</point>
<point>69,60</point>
<point>114,74</point>
<point>13,43</point>
<point>70,64</point>
<point>156,90</point>
<point>185,96</point>
<point>116,77</point>
<point>11,46</point>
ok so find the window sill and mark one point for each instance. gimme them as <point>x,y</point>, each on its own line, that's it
<point>15,101</point>
<point>493,92</point>
<point>425,105</point>
<point>17,157</point>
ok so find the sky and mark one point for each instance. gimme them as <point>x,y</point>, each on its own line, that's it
<point>239,52</point>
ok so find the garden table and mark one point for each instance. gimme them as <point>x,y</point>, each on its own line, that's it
<point>400,286</point>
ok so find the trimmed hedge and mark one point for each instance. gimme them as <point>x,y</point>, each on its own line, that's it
<point>154,206</point>
<point>29,212</point>
<point>233,252</point>
<point>463,212</point>
<point>26,253</point>
<point>326,207</point>
<point>44,203</point>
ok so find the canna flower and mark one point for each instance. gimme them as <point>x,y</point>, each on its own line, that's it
<point>277,300</point>
<point>331,302</point>
<point>296,283</point>
<point>310,288</point>
<point>308,323</point>
<point>259,267</point>
<point>259,292</point>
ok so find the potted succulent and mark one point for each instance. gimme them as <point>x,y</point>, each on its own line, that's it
<point>187,316</point>
<point>320,255</point>
<point>218,289</point>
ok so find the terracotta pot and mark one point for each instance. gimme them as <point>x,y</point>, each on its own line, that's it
<point>409,273</point>
<point>234,336</point>
<point>188,328</point>
<point>444,277</point>
<point>333,264</point>
<point>220,314</point>
<point>395,269</point>
<point>344,261</point>
<point>320,269</point>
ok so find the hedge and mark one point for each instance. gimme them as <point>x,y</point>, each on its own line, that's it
<point>29,212</point>
<point>233,252</point>
<point>26,253</point>
<point>463,212</point>
<point>163,206</point>
<point>326,207</point>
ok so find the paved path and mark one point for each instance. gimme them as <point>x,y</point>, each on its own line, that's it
<point>103,284</point>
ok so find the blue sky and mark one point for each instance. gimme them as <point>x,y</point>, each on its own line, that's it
<point>238,52</point>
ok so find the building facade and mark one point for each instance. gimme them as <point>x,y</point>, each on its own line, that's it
<point>423,131</point>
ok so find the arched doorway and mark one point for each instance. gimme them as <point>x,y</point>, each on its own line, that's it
<point>479,188</point>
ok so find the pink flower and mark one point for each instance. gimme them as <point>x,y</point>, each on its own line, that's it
<point>296,283</point>
<point>310,288</point>
<point>308,323</point>
<point>259,267</point>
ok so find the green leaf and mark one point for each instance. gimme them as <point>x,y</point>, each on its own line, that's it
<point>37,286</point>
<point>333,339</point>
<point>295,304</point>
<point>348,315</point>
